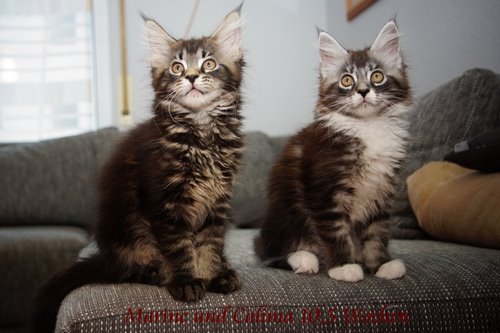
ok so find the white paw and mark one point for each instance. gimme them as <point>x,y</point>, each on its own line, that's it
<point>393,269</point>
<point>348,272</point>
<point>303,262</point>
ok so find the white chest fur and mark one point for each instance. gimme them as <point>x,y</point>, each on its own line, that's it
<point>383,139</point>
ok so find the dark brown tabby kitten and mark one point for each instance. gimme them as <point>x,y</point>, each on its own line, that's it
<point>330,189</point>
<point>164,193</point>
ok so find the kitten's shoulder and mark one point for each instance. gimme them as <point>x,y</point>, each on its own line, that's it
<point>300,138</point>
<point>307,140</point>
<point>139,136</point>
<point>132,145</point>
<point>314,133</point>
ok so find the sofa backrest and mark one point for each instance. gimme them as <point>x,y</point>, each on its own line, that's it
<point>258,157</point>
<point>53,182</point>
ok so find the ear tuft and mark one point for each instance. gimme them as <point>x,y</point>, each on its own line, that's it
<point>332,54</point>
<point>238,9</point>
<point>228,36</point>
<point>160,42</point>
<point>387,45</point>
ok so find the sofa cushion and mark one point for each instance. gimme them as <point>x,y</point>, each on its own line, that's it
<point>459,110</point>
<point>53,182</point>
<point>258,157</point>
<point>448,288</point>
<point>457,204</point>
<point>28,257</point>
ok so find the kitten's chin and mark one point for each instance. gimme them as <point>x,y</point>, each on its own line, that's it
<point>196,100</point>
<point>194,93</point>
<point>364,110</point>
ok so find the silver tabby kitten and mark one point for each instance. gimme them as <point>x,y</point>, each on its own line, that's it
<point>330,189</point>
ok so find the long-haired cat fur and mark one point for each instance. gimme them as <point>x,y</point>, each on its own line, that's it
<point>330,189</point>
<point>164,193</point>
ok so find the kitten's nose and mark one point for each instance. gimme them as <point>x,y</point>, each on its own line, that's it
<point>364,91</point>
<point>191,78</point>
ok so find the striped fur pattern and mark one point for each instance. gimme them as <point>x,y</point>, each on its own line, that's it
<point>330,189</point>
<point>164,193</point>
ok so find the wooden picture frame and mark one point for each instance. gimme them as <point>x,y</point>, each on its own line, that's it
<point>355,7</point>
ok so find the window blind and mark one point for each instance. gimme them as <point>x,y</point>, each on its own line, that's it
<point>46,69</point>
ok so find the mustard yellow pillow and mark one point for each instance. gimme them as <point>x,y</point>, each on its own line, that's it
<point>457,204</point>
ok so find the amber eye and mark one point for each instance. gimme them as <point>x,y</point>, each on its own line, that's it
<point>209,65</point>
<point>347,80</point>
<point>377,77</point>
<point>177,68</point>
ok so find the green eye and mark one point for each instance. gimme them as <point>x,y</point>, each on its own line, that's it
<point>347,81</point>
<point>377,77</point>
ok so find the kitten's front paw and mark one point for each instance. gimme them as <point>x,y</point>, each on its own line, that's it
<point>303,262</point>
<point>393,269</point>
<point>187,290</point>
<point>225,283</point>
<point>348,272</point>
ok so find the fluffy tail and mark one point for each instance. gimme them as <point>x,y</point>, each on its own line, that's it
<point>53,292</point>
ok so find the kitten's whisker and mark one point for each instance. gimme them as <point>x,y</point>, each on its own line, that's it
<point>226,98</point>
<point>170,102</point>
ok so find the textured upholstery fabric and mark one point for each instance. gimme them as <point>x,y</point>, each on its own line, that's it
<point>459,110</point>
<point>54,181</point>
<point>446,289</point>
<point>28,256</point>
<point>456,204</point>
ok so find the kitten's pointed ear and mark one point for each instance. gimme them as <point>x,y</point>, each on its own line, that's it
<point>387,45</point>
<point>160,42</point>
<point>332,55</point>
<point>228,35</point>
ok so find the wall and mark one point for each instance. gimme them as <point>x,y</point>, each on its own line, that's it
<point>441,39</point>
<point>279,39</point>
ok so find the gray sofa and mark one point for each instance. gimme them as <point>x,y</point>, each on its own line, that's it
<point>47,209</point>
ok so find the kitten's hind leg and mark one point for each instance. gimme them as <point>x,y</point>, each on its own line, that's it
<point>303,262</point>
<point>148,274</point>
